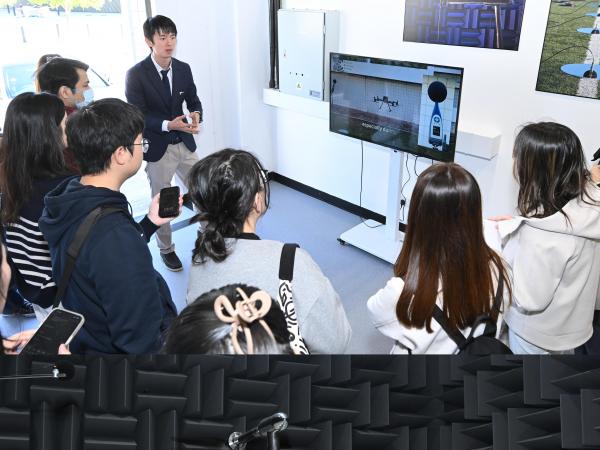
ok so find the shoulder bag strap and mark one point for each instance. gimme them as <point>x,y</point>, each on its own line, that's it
<point>452,332</point>
<point>286,301</point>
<point>490,327</point>
<point>79,239</point>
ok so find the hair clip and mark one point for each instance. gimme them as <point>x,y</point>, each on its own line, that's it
<point>243,315</point>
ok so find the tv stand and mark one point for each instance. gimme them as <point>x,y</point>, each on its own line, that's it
<point>384,241</point>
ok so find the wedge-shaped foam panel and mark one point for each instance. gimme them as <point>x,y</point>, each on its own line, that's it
<point>361,402</point>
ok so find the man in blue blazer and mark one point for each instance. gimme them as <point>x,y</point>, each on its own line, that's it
<point>159,85</point>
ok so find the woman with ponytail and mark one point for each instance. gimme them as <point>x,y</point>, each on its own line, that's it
<point>231,191</point>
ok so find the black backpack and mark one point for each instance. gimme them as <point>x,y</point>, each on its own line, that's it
<point>484,344</point>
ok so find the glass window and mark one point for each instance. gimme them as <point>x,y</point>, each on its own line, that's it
<point>107,36</point>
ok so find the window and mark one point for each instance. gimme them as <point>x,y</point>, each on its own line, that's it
<point>108,37</point>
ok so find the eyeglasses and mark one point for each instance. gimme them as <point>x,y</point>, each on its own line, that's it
<point>145,144</point>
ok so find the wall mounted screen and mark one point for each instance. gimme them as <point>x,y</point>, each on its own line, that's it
<point>407,106</point>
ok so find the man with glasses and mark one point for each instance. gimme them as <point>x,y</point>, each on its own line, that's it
<point>126,303</point>
<point>159,85</point>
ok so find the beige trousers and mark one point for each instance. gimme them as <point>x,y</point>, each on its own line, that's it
<point>177,160</point>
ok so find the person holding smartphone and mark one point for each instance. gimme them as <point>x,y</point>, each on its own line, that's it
<point>159,85</point>
<point>125,302</point>
<point>12,344</point>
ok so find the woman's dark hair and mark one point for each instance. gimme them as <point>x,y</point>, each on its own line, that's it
<point>550,167</point>
<point>197,329</point>
<point>32,148</point>
<point>45,58</point>
<point>223,187</point>
<point>444,249</point>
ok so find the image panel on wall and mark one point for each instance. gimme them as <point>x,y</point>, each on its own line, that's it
<point>484,24</point>
<point>570,58</point>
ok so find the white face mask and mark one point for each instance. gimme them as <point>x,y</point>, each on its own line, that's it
<point>88,97</point>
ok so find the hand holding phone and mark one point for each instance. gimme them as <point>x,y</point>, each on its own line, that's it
<point>168,202</point>
<point>60,327</point>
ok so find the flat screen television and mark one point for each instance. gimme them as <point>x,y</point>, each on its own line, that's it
<point>408,106</point>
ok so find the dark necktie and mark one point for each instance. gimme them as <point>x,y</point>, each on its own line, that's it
<point>165,82</point>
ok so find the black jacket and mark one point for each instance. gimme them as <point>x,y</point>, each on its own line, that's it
<point>126,303</point>
<point>143,88</point>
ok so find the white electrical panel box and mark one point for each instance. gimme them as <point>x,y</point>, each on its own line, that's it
<point>306,37</point>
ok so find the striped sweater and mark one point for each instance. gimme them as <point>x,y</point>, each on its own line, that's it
<point>27,249</point>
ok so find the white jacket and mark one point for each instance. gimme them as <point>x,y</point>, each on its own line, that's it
<point>382,309</point>
<point>556,274</point>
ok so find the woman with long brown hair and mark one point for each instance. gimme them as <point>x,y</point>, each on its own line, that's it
<point>553,247</point>
<point>444,261</point>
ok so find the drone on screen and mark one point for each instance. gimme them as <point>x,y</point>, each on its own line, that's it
<point>386,101</point>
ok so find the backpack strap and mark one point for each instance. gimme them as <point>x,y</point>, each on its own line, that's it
<point>452,332</point>
<point>490,325</point>
<point>285,299</point>
<point>79,239</point>
<point>286,263</point>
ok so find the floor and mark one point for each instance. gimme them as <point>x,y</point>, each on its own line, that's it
<point>315,226</point>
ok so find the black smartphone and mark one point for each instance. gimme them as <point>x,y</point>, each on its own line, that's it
<point>168,203</point>
<point>59,327</point>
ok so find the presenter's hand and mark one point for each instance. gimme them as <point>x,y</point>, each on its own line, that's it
<point>195,118</point>
<point>153,212</point>
<point>595,174</point>
<point>179,124</point>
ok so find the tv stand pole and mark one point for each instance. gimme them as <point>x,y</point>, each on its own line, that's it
<point>385,241</point>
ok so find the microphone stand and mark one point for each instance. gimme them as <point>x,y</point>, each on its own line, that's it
<point>273,441</point>
<point>270,426</point>
<point>56,374</point>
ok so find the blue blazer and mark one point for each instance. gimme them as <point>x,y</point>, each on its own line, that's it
<point>143,88</point>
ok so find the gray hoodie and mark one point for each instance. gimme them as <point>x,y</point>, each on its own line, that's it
<point>556,274</point>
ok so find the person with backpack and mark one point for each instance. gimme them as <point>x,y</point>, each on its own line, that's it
<point>125,302</point>
<point>231,191</point>
<point>445,273</point>
<point>553,246</point>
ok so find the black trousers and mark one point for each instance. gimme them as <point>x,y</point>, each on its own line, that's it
<point>592,347</point>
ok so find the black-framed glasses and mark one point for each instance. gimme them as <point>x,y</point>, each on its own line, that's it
<point>145,144</point>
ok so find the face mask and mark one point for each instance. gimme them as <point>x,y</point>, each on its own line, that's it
<point>88,97</point>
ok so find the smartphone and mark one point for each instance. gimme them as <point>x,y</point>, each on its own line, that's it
<point>59,327</point>
<point>168,203</point>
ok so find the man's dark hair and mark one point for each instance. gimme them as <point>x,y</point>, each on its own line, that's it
<point>96,131</point>
<point>158,24</point>
<point>59,72</point>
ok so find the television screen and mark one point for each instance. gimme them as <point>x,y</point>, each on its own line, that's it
<point>407,106</point>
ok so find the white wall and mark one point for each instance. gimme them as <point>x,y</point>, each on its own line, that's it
<point>226,42</point>
<point>207,34</point>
